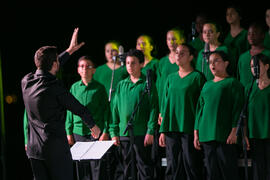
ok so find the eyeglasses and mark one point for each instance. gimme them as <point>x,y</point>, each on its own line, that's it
<point>86,67</point>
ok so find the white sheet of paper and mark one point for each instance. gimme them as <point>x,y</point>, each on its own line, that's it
<point>90,150</point>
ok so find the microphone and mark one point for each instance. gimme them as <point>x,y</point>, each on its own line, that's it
<point>206,52</point>
<point>148,81</point>
<point>193,31</point>
<point>256,69</point>
<point>121,55</point>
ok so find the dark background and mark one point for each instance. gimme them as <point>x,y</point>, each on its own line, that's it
<point>25,27</point>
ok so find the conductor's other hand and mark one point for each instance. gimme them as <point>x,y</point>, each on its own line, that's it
<point>95,131</point>
<point>74,46</point>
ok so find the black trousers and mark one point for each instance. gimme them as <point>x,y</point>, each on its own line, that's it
<point>90,170</point>
<point>183,160</point>
<point>260,155</point>
<point>221,160</point>
<point>144,165</point>
<point>59,167</point>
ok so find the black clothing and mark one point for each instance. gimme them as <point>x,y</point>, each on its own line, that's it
<point>46,101</point>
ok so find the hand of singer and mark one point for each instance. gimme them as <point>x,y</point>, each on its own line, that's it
<point>95,131</point>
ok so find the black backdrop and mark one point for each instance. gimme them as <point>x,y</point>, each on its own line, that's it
<point>25,27</point>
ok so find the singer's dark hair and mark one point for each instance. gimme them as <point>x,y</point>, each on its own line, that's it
<point>265,60</point>
<point>192,50</point>
<point>86,58</point>
<point>224,56</point>
<point>45,56</point>
<point>136,53</point>
<point>258,25</point>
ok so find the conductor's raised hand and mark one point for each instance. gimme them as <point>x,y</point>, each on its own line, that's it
<point>95,131</point>
<point>74,46</point>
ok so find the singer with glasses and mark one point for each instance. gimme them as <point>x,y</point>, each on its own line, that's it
<point>211,33</point>
<point>182,90</point>
<point>255,38</point>
<point>217,113</point>
<point>259,117</point>
<point>128,95</point>
<point>111,68</point>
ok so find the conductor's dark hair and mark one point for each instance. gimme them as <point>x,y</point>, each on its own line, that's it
<point>136,53</point>
<point>265,60</point>
<point>45,56</point>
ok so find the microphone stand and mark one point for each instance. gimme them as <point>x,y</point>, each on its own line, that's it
<point>111,90</point>
<point>240,129</point>
<point>129,128</point>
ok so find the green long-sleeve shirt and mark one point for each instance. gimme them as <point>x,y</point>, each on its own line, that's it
<point>259,112</point>
<point>103,75</point>
<point>165,68</point>
<point>181,96</point>
<point>244,71</point>
<point>218,109</point>
<point>267,40</point>
<point>126,98</point>
<point>238,44</point>
<point>202,66</point>
<point>153,65</point>
<point>197,43</point>
<point>94,97</point>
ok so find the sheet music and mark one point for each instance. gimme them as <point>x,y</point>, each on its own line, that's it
<point>90,150</point>
<point>79,149</point>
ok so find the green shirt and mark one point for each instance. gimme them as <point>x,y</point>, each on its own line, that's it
<point>126,98</point>
<point>244,70</point>
<point>25,126</point>
<point>165,68</point>
<point>153,65</point>
<point>181,96</point>
<point>267,40</point>
<point>103,75</point>
<point>197,44</point>
<point>94,97</point>
<point>203,66</point>
<point>218,109</point>
<point>238,44</point>
<point>259,112</point>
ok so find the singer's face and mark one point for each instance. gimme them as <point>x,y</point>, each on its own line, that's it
<point>182,56</point>
<point>232,16</point>
<point>133,66</point>
<point>217,65</point>
<point>263,68</point>
<point>210,34</point>
<point>255,36</point>
<point>173,40</point>
<point>267,17</point>
<point>143,44</point>
<point>85,68</point>
<point>110,51</point>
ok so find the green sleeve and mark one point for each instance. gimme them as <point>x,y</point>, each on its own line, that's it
<point>69,123</point>
<point>25,126</point>
<point>164,98</point>
<point>152,123</point>
<point>114,124</point>
<point>199,110</point>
